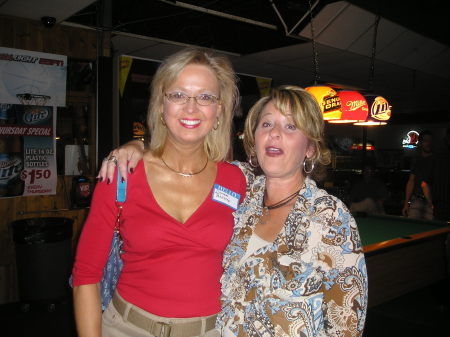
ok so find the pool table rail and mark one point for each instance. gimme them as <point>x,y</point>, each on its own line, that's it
<point>402,265</point>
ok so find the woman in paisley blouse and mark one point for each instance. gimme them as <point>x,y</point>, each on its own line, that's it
<point>295,265</point>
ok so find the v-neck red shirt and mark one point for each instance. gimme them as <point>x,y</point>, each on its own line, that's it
<point>171,269</point>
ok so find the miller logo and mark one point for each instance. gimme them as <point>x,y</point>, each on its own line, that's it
<point>35,115</point>
<point>380,109</point>
<point>357,104</point>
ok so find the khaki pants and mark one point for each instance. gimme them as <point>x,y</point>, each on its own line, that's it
<point>114,325</point>
<point>419,209</point>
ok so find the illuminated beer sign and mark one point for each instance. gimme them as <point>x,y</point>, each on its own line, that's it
<point>329,101</point>
<point>379,111</point>
<point>354,107</point>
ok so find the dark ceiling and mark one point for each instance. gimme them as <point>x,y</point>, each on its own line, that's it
<point>272,38</point>
<point>166,20</point>
<point>187,21</point>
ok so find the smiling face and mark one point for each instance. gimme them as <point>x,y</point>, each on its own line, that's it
<point>280,146</point>
<point>191,122</point>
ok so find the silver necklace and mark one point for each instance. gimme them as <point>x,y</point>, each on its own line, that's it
<point>183,174</point>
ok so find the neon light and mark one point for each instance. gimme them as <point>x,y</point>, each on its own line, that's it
<point>411,139</point>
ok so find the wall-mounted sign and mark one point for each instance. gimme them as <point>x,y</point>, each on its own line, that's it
<point>32,75</point>
<point>410,140</point>
<point>27,150</point>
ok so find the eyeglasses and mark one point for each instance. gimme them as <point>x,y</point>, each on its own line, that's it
<point>181,98</point>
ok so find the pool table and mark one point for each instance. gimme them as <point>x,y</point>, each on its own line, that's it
<point>402,255</point>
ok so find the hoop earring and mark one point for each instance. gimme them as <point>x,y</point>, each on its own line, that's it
<point>304,167</point>
<point>217,125</point>
<point>162,119</point>
<point>251,162</point>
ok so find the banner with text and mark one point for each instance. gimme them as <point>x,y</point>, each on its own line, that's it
<point>31,77</point>
<point>27,150</point>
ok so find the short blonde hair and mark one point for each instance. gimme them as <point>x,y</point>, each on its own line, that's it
<point>217,142</point>
<point>307,116</point>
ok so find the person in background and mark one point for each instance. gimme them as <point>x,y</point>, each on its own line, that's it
<point>177,219</point>
<point>368,193</point>
<point>418,203</point>
<point>440,180</point>
<point>295,264</point>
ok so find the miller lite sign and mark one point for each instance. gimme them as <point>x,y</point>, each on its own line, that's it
<point>380,110</point>
<point>353,106</point>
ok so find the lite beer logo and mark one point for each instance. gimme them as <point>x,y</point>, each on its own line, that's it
<point>10,168</point>
<point>35,116</point>
<point>380,109</point>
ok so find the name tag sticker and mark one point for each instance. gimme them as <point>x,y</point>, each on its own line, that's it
<point>225,196</point>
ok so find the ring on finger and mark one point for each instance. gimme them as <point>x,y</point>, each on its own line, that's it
<point>113,159</point>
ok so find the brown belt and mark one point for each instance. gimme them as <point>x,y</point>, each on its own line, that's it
<point>161,329</point>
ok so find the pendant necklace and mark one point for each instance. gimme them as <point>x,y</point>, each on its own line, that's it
<point>281,203</point>
<point>183,174</point>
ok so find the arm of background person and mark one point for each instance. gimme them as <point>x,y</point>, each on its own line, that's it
<point>127,155</point>
<point>408,192</point>
<point>426,192</point>
<point>87,309</point>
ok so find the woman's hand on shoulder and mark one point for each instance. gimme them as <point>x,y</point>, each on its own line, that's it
<point>125,157</point>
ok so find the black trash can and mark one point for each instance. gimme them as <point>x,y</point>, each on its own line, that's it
<point>43,257</point>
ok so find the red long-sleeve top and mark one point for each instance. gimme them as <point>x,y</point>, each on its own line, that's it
<point>171,269</point>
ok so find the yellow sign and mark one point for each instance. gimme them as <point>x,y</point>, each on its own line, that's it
<point>125,63</point>
<point>264,85</point>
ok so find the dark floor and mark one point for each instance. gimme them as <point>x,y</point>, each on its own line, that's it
<point>424,313</point>
<point>37,319</point>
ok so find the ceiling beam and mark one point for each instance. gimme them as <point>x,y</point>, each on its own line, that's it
<point>220,14</point>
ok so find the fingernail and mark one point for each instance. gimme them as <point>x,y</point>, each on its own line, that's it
<point>100,179</point>
<point>131,170</point>
<point>109,181</point>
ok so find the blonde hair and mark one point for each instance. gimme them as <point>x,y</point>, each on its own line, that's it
<point>217,142</point>
<point>307,116</point>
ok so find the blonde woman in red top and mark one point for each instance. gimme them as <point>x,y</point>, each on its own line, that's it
<point>177,219</point>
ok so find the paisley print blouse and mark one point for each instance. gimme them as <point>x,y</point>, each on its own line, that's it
<point>310,281</point>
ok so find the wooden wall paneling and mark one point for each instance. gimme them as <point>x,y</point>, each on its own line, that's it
<point>76,43</point>
<point>65,40</point>
<point>19,208</point>
<point>7,32</point>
